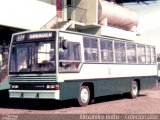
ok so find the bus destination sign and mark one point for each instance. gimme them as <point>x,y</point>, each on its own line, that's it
<point>33,36</point>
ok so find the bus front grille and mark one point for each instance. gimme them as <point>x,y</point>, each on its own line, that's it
<point>47,78</point>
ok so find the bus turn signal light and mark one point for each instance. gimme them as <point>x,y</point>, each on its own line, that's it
<point>55,87</point>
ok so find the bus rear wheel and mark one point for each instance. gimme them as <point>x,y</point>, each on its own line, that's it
<point>84,96</point>
<point>134,89</point>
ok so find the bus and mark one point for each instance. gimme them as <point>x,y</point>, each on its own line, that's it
<point>63,65</point>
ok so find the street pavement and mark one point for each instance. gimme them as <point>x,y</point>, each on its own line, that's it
<point>147,102</point>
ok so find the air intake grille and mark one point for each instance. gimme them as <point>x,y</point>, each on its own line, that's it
<point>29,78</point>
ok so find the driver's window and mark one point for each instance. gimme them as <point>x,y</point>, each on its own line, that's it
<point>69,56</point>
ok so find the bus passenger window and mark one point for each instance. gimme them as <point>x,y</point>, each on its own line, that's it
<point>86,55</point>
<point>106,50</point>
<point>120,53</point>
<point>153,55</point>
<point>90,49</point>
<point>131,53</point>
<point>141,54</point>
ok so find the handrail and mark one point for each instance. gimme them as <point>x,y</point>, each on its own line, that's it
<point>77,7</point>
<point>79,18</point>
<point>55,17</point>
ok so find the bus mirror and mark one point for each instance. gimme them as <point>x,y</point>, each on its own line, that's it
<point>13,48</point>
<point>64,44</point>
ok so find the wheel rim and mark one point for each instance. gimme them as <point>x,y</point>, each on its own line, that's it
<point>135,89</point>
<point>84,95</point>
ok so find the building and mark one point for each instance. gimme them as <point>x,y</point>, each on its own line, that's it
<point>16,16</point>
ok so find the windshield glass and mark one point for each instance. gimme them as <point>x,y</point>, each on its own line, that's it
<point>33,57</point>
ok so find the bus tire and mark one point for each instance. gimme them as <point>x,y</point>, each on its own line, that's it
<point>134,89</point>
<point>84,96</point>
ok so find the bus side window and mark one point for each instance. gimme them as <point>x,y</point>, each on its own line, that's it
<point>90,49</point>
<point>120,52</point>
<point>141,54</point>
<point>86,55</point>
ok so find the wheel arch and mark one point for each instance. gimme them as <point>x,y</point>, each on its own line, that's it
<point>91,88</point>
<point>138,82</point>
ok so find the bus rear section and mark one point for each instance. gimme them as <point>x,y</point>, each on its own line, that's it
<point>65,65</point>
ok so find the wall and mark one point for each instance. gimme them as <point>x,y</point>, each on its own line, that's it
<point>86,8</point>
<point>92,10</point>
<point>26,14</point>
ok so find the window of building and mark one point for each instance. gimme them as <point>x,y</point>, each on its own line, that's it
<point>90,49</point>
<point>106,50</point>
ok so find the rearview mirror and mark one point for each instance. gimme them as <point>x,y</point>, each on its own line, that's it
<point>64,44</point>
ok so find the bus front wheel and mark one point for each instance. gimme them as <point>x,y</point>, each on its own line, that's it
<point>84,96</point>
<point>134,89</point>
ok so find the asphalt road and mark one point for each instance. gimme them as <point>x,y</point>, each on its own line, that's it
<point>148,102</point>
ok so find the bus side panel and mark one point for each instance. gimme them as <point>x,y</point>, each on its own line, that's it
<point>111,86</point>
<point>147,82</point>
<point>152,82</point>
<point>70,89</point>
<point>122,85</point>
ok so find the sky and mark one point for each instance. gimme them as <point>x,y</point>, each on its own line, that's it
<point>149,22</point>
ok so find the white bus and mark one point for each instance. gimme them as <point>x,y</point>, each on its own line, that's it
<point>61,65</point>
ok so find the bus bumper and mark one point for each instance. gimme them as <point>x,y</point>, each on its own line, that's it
<point>35,94</point>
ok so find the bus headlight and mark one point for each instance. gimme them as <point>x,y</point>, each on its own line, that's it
<point>50,86</point>
<point>14,86</point>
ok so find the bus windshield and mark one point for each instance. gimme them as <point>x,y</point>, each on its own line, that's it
<point>33,57</point>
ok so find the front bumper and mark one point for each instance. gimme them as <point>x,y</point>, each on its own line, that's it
<point>35,94</point>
